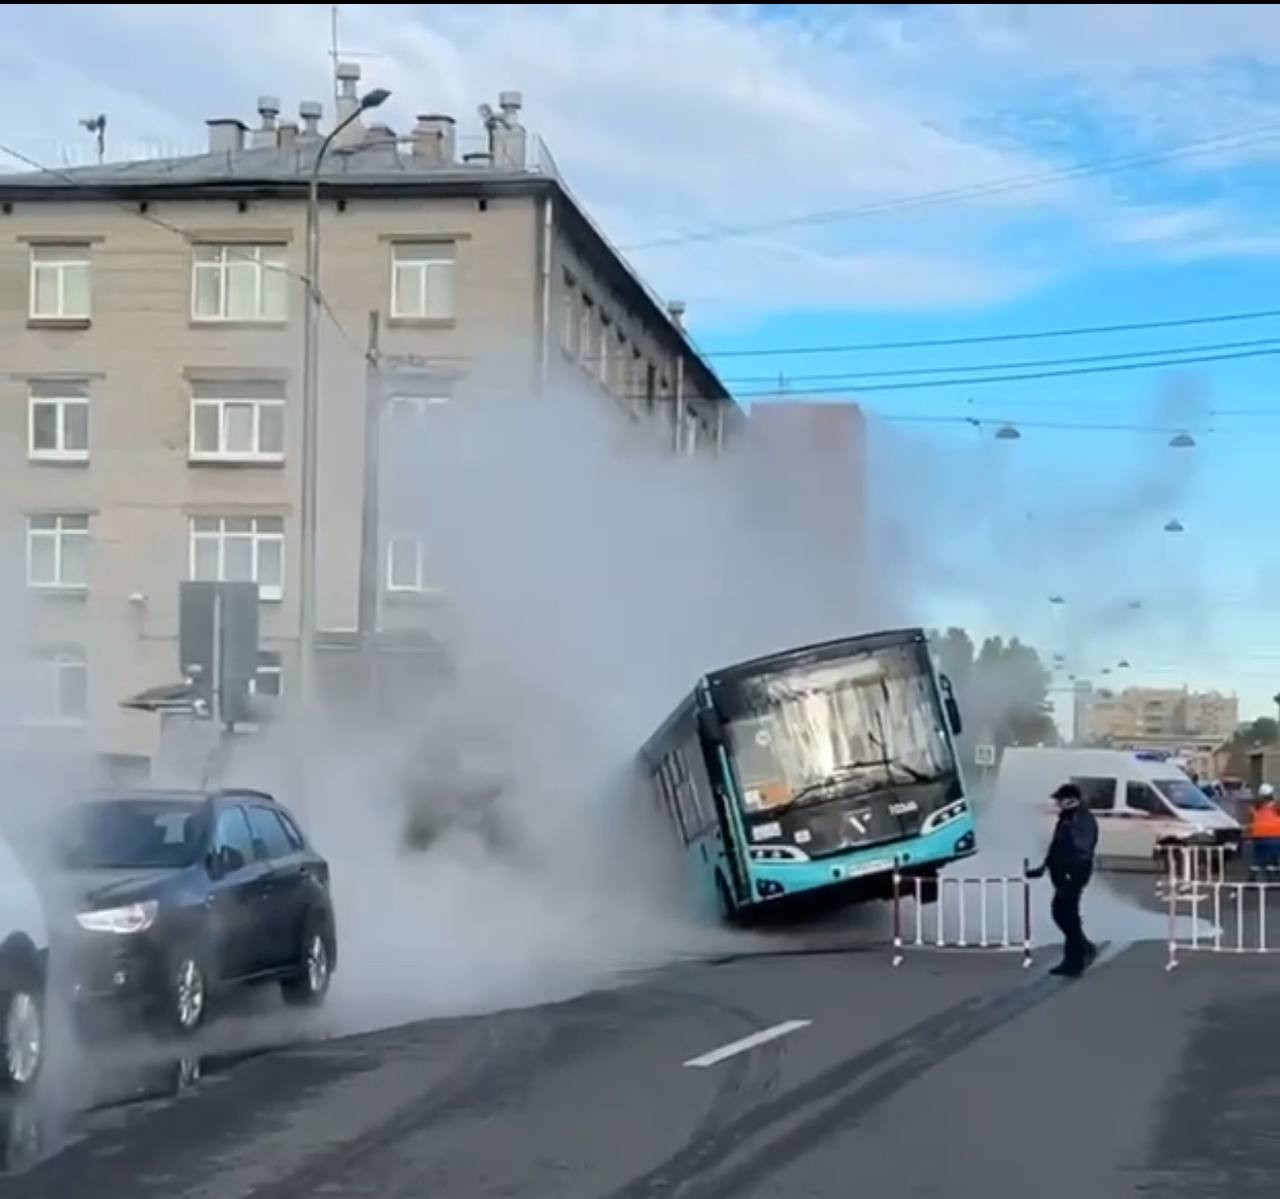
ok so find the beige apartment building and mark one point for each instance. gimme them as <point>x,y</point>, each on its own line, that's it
<point>1157,714</point>
<point>151,326</point>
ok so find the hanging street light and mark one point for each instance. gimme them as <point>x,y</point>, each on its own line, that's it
<point>1183,441</point>
<point>1174,526</point>
<point>1008,433</point>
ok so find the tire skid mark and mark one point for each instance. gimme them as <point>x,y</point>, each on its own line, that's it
<point>784,1128</point>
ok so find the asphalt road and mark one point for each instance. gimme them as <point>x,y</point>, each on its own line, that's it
<point>956,1075</point>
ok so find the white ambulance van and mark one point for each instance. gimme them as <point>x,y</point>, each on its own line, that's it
<point>1142,800</point>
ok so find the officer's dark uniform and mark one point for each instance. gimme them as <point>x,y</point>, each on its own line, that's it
<point>1069,863</point>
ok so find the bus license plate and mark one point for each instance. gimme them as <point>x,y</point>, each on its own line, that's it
<point>858,869</point>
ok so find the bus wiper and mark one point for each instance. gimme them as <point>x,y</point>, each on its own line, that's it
<point>837,776</point>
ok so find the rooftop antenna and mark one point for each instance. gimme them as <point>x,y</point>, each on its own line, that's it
<point>337,53</point>
<point>97,125</point>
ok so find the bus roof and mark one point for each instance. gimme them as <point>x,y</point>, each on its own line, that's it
<point>823,651</point>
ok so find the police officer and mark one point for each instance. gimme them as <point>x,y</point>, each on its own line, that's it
<point>1069,863</point>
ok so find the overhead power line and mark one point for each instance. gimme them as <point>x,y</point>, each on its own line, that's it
<point>973,191</point>
<point>926,343</point>
<point>191,239</point>
<point>852,377</point>
<point>983,380</point>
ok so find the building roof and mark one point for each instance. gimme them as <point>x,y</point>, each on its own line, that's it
<point>372,168</point>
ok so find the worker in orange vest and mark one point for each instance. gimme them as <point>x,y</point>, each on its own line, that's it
<point>1264,830</point>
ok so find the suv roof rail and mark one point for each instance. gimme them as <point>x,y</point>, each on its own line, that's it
<point>227,791</point>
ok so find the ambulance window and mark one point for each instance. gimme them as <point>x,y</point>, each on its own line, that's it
<point>1098,794</point>
<point>1144,799</point>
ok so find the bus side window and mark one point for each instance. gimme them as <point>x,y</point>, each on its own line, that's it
<point>697,787</point>
<point>669,778</point>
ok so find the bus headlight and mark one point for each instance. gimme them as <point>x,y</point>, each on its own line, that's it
<point>943,817</point>
<point>778,853</point>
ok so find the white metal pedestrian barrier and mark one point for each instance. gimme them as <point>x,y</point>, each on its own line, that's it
<point>1235,912</point>
<point>1188,866</point>
<point>989,912</point>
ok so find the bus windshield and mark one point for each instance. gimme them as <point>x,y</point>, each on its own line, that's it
<point>839,728</point>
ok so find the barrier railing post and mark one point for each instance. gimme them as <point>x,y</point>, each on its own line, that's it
<point>960,891</point>
<point>1262,917</point>
<point>919,910</point>
<point>1240,917</point>
<point>1026,915</point>
<point>897,919</point>
<point>1172,963</point>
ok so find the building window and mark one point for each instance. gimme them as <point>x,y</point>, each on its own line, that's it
<point>406,563</point>
<point>269,680</point>
<point>413,406</point>
<point>58,422</point>
<point>422,281</point>
<point>237,422</point>
<point>568,314</point>
<point>58,552</point>
<point>239,549</point>
<point>621,366</point>
<point>60,691</point>
<point>60,283</point>
<point>586,320</point>
<point>604,346</point>
<point>239,283</point>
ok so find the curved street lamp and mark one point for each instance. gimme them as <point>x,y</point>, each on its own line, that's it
<point>310,375</point>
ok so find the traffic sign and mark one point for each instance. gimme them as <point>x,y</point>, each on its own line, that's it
<point>984,755</point>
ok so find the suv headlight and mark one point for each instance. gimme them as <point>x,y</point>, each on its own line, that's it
<point>133,918</point>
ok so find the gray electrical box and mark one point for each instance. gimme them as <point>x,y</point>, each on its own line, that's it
<point>218,645</point>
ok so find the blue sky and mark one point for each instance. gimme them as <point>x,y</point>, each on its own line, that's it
<point>673,121</point>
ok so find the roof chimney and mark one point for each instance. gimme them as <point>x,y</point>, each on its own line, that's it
<point>675,310</point>
<point>348,74</point>
<point>507,138</point>
<point>226,135</point>
<point>435,139</point>
<point>288,135</point>
<point>265,134</point>
<point>311,112</point>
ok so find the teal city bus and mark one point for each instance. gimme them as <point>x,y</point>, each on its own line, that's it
<point>831,766</point>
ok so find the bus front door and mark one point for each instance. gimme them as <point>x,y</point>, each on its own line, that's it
<point>729,858</point>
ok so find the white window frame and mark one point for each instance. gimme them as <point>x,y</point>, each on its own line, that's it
<point>269,663</point>
<point>419,584</point>
<point>221,403</point>
<point>58,534</point>
<point>264,256</point>
<point>568,315</point>
<point>57,662</point>
<point>417,405</point>
<point>257,538</point>
<point>76,258</point>
<point>604,346</point>
<point>60,402</point>
<point>424,258</point>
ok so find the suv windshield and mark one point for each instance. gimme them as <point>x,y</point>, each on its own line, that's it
<point>121,834</point>
<point>1184,794</point>
<point>839,728</point>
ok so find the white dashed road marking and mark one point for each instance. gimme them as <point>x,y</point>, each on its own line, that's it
<point>756,1038</point>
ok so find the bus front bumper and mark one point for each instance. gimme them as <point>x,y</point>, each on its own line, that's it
<point>872,869</point>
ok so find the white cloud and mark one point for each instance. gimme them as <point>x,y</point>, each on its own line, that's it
<point>670,119</point>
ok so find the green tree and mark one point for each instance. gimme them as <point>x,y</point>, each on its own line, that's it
<point>1263,731</point>
<point>1003,689</point>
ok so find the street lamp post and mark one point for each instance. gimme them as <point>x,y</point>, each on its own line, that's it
<point>307,605</point>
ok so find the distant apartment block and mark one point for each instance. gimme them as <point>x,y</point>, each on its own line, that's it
<point>1139,713</point>
<point>151,325</point>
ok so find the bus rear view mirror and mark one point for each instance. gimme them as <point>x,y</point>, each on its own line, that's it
<point>953,716</point>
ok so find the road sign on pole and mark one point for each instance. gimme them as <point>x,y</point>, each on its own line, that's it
<point>984,755</point>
